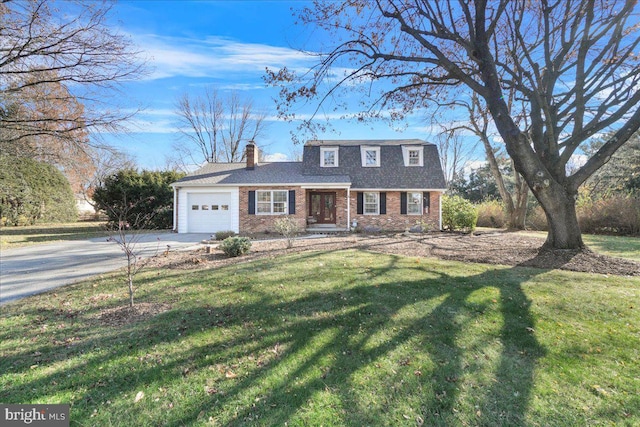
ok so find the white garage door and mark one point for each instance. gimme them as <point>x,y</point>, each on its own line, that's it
<point>208,212</point>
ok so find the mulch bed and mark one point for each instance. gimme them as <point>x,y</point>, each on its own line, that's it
<point>500,248</point>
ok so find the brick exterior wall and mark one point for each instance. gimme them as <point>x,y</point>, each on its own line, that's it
<point>393,220</point>
<point>341,206</point>
<point>262,223</point>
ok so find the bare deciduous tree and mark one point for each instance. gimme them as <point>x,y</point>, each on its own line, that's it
<point>127,233</point>
<point>60,70</point>
<point>478,123</point>
<point>455,154</point>
<point>214,128</point>
<point>571,64</point>
<point>105,162</point>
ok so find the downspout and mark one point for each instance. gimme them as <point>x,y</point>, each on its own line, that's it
<point>348,208</point>
<point>175,209</point>
<point>440,209</point>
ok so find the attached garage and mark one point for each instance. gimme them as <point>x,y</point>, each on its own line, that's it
<point>208,212</point>
<point>202,211</point>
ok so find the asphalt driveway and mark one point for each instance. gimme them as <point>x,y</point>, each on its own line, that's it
<point>35,269</point>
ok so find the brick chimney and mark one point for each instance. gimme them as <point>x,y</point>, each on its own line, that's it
<point>252,155</point>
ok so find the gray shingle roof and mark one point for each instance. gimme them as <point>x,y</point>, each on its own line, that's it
<point>392,174</point>
<point>359,142</point>
<point>264,173</point>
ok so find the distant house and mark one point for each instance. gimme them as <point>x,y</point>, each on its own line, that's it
<point>370,184</point>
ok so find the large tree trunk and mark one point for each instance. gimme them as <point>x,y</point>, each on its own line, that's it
<point>560,210</point>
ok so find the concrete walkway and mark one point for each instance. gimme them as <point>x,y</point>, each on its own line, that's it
<point>35,269</point>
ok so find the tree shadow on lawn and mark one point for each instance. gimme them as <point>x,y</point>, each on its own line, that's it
<point>332,348</point>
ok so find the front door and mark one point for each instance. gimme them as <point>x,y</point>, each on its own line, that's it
<point>322,207</point>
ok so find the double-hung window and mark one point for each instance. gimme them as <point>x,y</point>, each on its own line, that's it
<point>329,157</point>
<point>371,203</point>
<point>271,202</point>
<point>413,155</point>
<point>414,203</point>
<point>414,158</point>
<point>370,156</point>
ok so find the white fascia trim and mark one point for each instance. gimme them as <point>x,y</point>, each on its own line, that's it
<point>326,186</point>
<point>399,189</point>
<point>273,184</point>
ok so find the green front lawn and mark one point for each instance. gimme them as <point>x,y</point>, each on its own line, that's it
<point>342,338</point>
<point>14,237</point>
<point>615,246</point>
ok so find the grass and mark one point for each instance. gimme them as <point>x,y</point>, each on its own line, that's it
<point>342,338</point>
<point>14,237</point>
<point>615,246</point>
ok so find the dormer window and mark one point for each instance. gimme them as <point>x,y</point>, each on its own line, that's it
<point>329,157</point>
<point>413,156</point>
<point>370,156</point>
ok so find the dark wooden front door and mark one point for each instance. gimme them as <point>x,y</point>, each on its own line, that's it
<point>322,207</point>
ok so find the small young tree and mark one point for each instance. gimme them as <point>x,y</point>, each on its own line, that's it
<point>288,227</point>
<point>126,233</point>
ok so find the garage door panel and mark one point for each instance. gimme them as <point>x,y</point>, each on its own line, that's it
<point>208,212</point>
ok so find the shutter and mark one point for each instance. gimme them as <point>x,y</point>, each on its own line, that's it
<point>252,202</point>
<point>426,202</point>
<point>403,203</point>
<point>292,202</point>
<point>383,203</point>
<point>360,204</point>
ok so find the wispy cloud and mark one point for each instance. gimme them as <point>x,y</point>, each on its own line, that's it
<point>213,56</point>
<point>276,157</point>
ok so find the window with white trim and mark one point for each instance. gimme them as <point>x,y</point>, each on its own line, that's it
<point>414,203</point>
<point>329,157</point>
<point>413,156</point>
<point>370,156</point>
<point>271,202</point>
<point>371,203</point>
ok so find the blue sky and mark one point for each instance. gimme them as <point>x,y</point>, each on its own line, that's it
<point>227,45</point>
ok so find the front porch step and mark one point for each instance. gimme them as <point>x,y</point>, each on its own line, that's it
<point>324,229</point>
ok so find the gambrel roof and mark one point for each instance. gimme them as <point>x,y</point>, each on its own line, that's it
<point>391,174</point>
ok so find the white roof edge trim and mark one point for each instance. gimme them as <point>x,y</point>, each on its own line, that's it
<point>336,185</point>
<point>273,184</point>
<point>399,189</point>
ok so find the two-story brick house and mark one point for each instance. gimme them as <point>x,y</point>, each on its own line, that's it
<point>339,184</point>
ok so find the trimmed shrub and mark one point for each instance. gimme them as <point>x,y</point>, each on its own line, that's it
<point>221,235</point>
<point>458,214</point>
<point>288,227</point>
<point>235,246</point>
<point>491,214</point>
